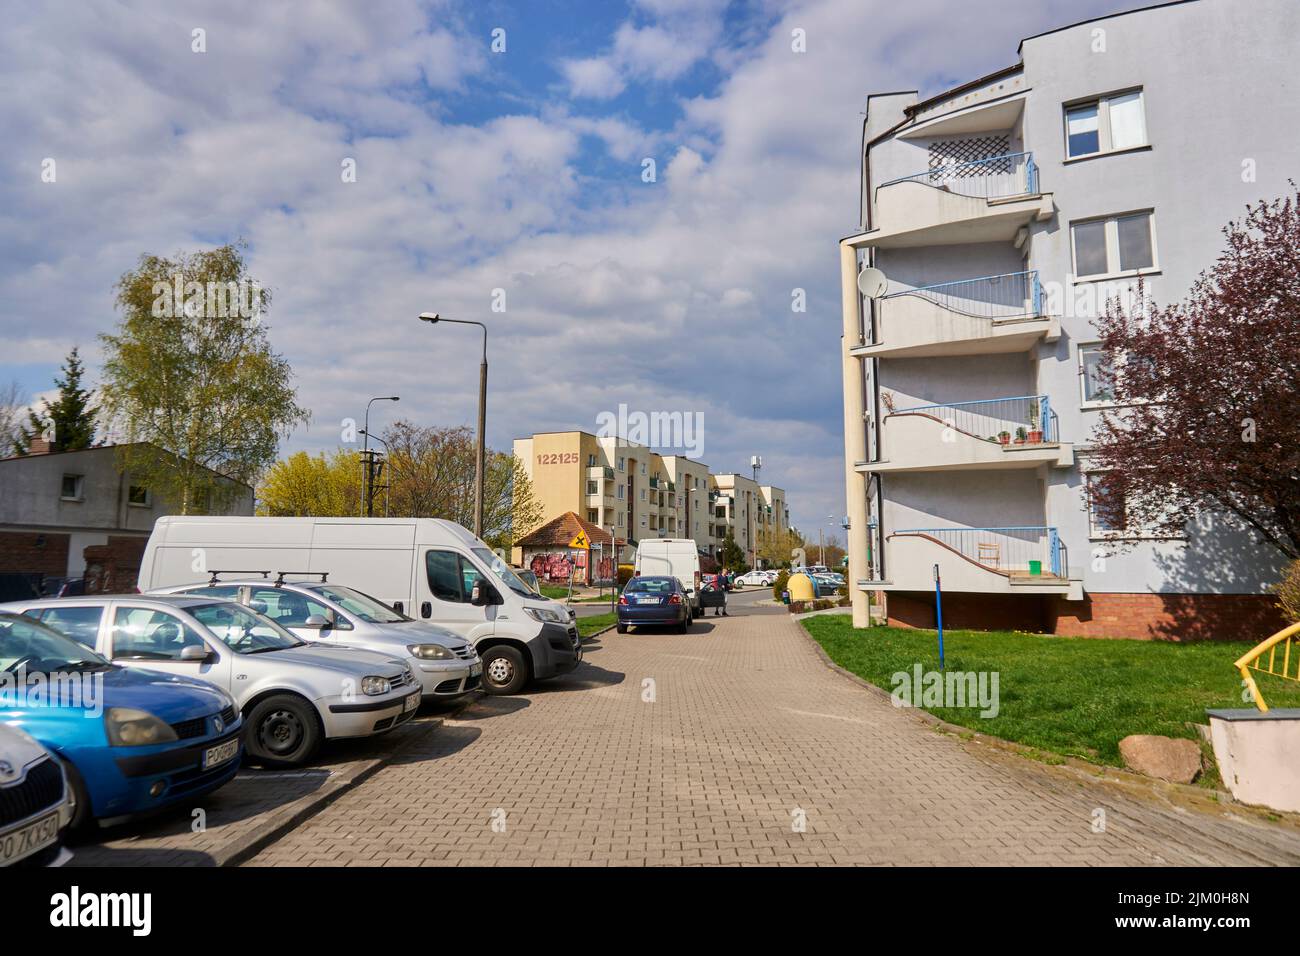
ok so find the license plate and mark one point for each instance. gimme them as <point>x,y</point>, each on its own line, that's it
<point>476,670</point>
<point>411,703</point>
<point>23,842</point>
<point>215,756</point>
<point>647,600</point>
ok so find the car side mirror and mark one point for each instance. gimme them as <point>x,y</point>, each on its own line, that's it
<point>482,594</point>
<point>316,620</point>
<point>398,607</point>
<point>195,652</point>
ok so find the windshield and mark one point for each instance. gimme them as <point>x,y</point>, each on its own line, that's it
<point>369,609</point>
<point>504,572</point>
<point>240,629</point>
<point>651,585</point>
<point>39,649</point>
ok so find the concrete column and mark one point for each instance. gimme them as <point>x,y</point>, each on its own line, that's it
<point>855,435</point>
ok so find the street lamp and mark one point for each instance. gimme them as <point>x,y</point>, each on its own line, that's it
<point>480,462</point>
<point>822,539</point>
<point>368,509</point>
<point>370,472</point>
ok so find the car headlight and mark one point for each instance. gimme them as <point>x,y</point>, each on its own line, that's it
<point>128,727</point>
<point>546,615</point>
<point>374,686</point>
<point>430,652</point>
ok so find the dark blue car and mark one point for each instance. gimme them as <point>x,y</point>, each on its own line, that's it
<point>654,600</point>
<point>132,741</point>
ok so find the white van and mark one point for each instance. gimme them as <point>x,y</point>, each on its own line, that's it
<point>430,569</point>
<point>676,557</point>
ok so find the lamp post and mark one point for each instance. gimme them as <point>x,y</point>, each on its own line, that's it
<point>370,472</point>
<point>367,508</point>
<point>479,464</point>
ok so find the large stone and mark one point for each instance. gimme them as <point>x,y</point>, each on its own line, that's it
<point>1177,760</point>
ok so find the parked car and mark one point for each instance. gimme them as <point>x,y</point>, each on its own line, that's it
<point>36,803</point>
<point>674,557</point>
<point>529,578</point>
<point>292,693</point>
<point>654,600</point>
<point>756,579</point>
<point>132,742</point>
<point>432,569</point>
<point>446,664</point>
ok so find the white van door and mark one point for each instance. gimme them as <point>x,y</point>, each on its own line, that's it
<point>447,581</point>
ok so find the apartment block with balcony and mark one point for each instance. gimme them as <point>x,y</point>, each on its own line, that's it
<point>635,492</point>
<point>997,218</point>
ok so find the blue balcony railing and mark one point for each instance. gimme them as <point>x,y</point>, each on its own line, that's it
<point>1008,550</point>
<point>1006,296</point>
<point>1024,419</point>
<point>1012,174</point>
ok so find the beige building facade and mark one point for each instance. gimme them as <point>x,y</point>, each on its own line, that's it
<point>636,493</point>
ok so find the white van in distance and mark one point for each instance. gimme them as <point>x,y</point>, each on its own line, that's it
<point>675,557</point>
<point>430,569</point>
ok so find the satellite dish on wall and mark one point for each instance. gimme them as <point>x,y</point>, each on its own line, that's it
<point>872,283</point>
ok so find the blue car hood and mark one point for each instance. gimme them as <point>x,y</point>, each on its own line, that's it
<point>171,698</point>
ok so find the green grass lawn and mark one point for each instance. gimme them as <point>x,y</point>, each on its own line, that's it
<point>590,625</point>
<point>554,592</point>
<point>1068,695</point>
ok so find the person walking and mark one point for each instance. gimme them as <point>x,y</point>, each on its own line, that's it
<point>724,585</point>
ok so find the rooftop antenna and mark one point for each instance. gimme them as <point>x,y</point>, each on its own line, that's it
<point>756,463</point>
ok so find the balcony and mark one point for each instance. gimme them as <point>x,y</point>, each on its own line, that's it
<point>600,472</point>
<point>989,200</point>
<point>992,314</point>
<point>1020,432</point>
<point>1015,560</point>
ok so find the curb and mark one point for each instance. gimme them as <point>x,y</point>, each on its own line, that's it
<point>244,848</point>
<point>1222,799</point>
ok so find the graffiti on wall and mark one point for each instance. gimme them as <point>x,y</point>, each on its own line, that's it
<point>552,567</point>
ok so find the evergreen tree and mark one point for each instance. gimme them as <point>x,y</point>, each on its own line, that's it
<point>71,416</point>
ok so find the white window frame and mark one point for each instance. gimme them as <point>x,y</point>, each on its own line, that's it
<point>621,463</point>
<point>1104,131</point>
<point>620,492</point>
<point>1112,247</point>
<point>1084,400</point>
<point>79,488</point>
<point>1096,533</point>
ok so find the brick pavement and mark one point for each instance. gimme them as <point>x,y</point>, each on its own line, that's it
<point>748,732</point>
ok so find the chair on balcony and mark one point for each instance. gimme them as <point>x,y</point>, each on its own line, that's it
<point>989,553</point>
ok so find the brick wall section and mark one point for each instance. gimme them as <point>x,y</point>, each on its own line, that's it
<point>114,568</point>
<point>20,551</point>
<point>1161,617</point>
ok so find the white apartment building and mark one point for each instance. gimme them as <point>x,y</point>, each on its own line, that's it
<point>1002,214</point>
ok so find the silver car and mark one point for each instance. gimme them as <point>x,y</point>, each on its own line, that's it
<point>293,693</point>
<point>445,663</point>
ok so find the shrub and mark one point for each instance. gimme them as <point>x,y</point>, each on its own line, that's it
<point>1288,592</point>
<point>780,584</point>
<point>624,575</point>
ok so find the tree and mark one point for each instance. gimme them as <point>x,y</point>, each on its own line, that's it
<point>731,556</point>
<point>431,474</point>
<point>190,370</point>
<point>70,418</point>
<point>775,547</point>
<point>1207,413</point>
<point>12,405</point>
<point>321,486</point>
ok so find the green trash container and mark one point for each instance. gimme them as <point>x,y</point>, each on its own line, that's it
<point>1035,568</point>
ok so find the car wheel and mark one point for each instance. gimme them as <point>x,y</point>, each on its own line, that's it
<point>81,811</point>
<point>282,731</point>
<point>622,628</point>
<point>504,671</point>
<point>684,626</point>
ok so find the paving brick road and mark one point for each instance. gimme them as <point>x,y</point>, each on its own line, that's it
<point>747,733</point>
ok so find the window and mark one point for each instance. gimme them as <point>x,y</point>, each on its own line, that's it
<point>139,496</point>
<point>620,492</point>
<point>1092,370</point>
<point>592,516</point>
<point>621,463</point>
<point>593,488</point>
<point>143,634</point>
<point>286,608</point>
<point>620,517</point>
<point>72,487</point>
<point>591,461</point>
<point>79,623</point>
<point>451,576</point>
<point>642,469</point>
<point>1115,245</point>
<point>243,631</point>
<point>1105,125</point>
<point>643,494</point>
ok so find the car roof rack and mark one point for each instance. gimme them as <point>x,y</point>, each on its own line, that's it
<point>279,575</point>
<point>212,575</point>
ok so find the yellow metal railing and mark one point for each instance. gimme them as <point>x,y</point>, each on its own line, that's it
<point>1253,659</point>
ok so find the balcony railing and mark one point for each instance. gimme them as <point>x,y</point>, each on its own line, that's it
<point>1005,550</point>
<point>1025,419</point>
<point>1007,296</point>
<point>1012,174</point>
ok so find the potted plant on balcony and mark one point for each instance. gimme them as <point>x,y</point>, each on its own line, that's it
<point>1004,437</point>
<point>1020,435</point>
<point>1035,435</point>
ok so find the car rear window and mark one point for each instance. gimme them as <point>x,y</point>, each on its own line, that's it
<point>651,585</point>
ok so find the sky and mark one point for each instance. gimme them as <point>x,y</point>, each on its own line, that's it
<point>501,154</point>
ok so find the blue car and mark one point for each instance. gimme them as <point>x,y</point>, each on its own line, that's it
<point>132,741</point>
<point>657,600</point>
